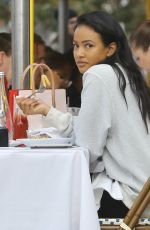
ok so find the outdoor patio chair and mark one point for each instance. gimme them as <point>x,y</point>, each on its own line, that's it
<point>132,219</point>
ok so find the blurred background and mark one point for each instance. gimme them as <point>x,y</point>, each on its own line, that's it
<point>128,12</point>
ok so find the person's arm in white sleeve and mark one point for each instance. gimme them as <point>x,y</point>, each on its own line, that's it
<point>62,121</point>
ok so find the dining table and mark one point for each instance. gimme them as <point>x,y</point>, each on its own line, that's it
<point>46,189</point>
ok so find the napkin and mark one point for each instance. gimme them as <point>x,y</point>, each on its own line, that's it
<point>50,132</point>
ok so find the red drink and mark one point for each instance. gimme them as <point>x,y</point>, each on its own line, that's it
<point>20,126</point>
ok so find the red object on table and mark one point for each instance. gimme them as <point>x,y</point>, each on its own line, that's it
<point>12,94</point>
<point>20,124</point>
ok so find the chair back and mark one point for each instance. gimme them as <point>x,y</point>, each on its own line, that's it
<point>132,218</point>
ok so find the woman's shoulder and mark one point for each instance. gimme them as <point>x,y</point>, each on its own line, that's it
<point>105,67</point>
<point>104,72</point>
<point>101,69</point>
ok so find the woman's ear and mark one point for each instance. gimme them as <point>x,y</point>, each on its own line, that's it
<point>112,47</point>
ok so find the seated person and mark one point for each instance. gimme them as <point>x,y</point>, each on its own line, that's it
<point>114,119</point>
<point>62,71</point>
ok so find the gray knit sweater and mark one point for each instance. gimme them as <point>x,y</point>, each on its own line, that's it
<point>113,132</point>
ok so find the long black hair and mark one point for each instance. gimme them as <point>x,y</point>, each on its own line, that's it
<point>110,31</point>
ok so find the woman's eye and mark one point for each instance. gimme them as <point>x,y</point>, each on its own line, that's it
<point>137,59</point>
<point>88,45</point>
<point>75,46</point>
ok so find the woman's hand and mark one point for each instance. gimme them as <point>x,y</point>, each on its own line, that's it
<point>31,106</point>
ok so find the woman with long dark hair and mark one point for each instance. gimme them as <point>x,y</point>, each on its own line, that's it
<point>114,119</point>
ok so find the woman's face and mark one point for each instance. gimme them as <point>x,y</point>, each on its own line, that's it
<point>142,58</point>
<point>89,48</point>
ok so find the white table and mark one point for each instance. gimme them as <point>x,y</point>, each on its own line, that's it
<point>46,189</point>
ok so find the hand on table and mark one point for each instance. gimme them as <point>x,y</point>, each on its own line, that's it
<point>31,106</point>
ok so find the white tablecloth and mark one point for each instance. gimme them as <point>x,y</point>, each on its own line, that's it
<point>46,189</point>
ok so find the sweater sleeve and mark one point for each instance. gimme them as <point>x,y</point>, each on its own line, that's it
<point>94,121</point>
<point>62,121</point>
